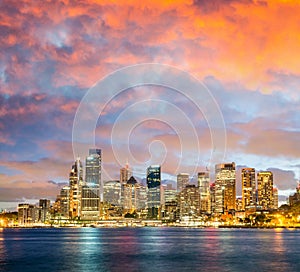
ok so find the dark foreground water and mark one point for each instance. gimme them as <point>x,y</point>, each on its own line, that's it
<point>149,249</point>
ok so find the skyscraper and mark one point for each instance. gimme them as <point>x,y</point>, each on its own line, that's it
<point>212,191</point>
<point>93,169</point>
<point>125,174</point>
<point>182,181</point>
<point>129,196</point>
<point>189,201</point>
<point>44,210</point>
<point>112,192</point>
<point>64,202</point>
<point>265,190</point>
<point>153,184</point>
<point>225,188</point>
<point>75,180</point>
<point>92,190</point>
<point>204,190</point>
<point>248,188</point>
<point>275,198</point>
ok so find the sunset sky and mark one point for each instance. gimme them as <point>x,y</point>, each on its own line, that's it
<point>246,52</point>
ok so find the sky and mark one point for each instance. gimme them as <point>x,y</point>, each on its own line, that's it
<point>53,54</point>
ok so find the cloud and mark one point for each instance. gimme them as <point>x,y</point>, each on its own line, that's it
<point>52,52</point>
<point>283,179</point>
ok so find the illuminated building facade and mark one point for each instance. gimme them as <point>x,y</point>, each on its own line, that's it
<point>141,194</point>
<point>204,190</point>
<point>212,191</point>
<point>189,201</point>
<point>182,181</point>
<point>64,202</point>
<point>125,174</point>
<point>265,197</point>
<point>275,198</point>
<point>129,195</point>
<point>92,190</point>
<point>76,181</point>
<point>153,185</point>
<point>248,188</point>
<point>112,192</point>
<point>44,210</point>
<point>170,194</point>
<point>27,214</point>
<point>225,187</point>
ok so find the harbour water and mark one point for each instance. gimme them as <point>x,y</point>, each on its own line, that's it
<point>149,249</point>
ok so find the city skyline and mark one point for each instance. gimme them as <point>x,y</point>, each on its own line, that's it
<point>244,52</point>
<point>85,189</point>
<point>216,199</point>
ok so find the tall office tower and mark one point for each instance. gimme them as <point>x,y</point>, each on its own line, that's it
<point>141,195</point>
<point>189,201</point>
<point>75,180</point>
<point>204,190</point>
<point>112,192</point>
<point>265,190</point>
<point>153,184</point>
<point>125,174</point>
<point>225,187</point>
<point>64,205</point>
<point>27,214</point>
<point>129,195</point>
<point>44,210</point>
<point>212,191</point>
<point>248,188</point>
<point>93,169</point>
<point>170,194</point>
<point>92,190</point>
<point>182,181</point>
<point>275,198</point>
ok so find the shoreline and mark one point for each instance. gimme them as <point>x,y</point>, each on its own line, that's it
<point>147,226</point>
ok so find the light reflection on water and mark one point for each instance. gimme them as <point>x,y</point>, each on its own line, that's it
<point>149,249</point>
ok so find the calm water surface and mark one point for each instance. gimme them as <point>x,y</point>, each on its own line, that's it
<point>149,249</point>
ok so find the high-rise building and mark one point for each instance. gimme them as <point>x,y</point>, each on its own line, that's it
<point>44,210</point>
<point>112,192</point>
<point>141,194</point>
<point>64,202</point>
<point>265,197</point>
<point>75,180</point>
<point>204,190</point>
<point>189,201</point>
<point>125,174</point>
<point>129,195</point>
<point>28,214</point>
<point>275,198</point>
<point>93,169</point>
<point>90,202</point>
<point>153,184</point>
<point>182,181</point>
<point>92,190</point>
<point>225,188</point>
<point>212,191</point>
<point>248,188</point>
<point>170,194</point>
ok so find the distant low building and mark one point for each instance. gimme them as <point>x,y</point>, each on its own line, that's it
<point>295,198</point>
<point>27,214</point>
